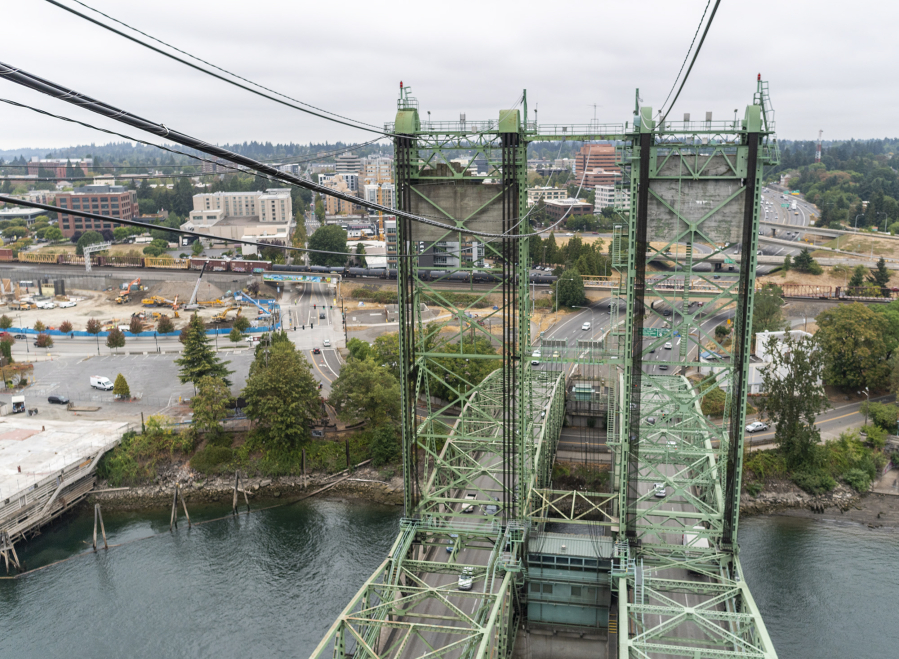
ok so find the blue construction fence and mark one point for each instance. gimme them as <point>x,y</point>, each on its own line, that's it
<point>149,335</point>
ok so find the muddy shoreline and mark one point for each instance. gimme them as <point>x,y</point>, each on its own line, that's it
<point>876,511</point>
<point>362,483</point>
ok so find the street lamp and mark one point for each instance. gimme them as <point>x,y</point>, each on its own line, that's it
<point>856,220</point>
<point>868,400</point>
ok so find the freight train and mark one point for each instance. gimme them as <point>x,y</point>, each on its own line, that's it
<point>258,267</point>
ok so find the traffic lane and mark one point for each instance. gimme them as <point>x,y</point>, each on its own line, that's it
<point>320,371</point>
<point>833,420</point>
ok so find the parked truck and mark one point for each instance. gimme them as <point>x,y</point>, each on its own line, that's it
<point>100,382</point>
<point>18,404</point>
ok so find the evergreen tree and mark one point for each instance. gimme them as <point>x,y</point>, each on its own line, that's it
<point>570,289</point>
<point>198,359</point>
<point>120,387</point>
<point>880,277</point>
<point>858,277</point>
<point>551,249</point>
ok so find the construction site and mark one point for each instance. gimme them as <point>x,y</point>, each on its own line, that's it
<point>113,301</point>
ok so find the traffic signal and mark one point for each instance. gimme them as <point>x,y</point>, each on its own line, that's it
<point>304,326</point>
<point>313,306</point>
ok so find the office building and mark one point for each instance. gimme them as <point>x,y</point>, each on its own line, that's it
<point>114,201</point>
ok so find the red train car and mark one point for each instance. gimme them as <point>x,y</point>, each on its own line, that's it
<point>250,266</point>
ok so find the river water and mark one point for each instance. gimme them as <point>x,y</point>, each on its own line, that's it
<point>271,583</point>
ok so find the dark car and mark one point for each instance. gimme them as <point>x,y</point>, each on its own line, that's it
<point>57,400</point>
<point>316,351</point>
<point>321,314</point>
<point>18,336</point>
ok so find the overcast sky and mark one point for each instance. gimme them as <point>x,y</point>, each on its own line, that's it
<point>830,65</point>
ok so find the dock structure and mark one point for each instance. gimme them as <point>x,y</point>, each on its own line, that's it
<point>46,467</point>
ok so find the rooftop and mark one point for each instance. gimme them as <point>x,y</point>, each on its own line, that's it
<point>31,450</point>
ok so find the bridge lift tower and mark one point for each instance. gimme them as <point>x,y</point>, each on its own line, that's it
<point>480,555</point>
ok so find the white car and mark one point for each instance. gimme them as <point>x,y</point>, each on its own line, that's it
<point>469,507</point>
<point>535,358</point>
<point>252,339</point>
<point>327,343</point>
<point>585,326</point>
<point>45,305</point>
<point>668,345</point>
<point>466,579</point>
<point>756,426</point>
<point>659,490</point>
<point>67,304</point>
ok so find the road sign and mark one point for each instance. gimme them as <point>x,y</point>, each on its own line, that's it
<point>728,260</point>
<point>655,332</point>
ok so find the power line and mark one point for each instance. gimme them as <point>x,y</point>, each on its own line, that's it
<point>695,55</point>
<point>60,92</point>
<point>161,227</point>
<point>687,56</point>
<point>317,113</point>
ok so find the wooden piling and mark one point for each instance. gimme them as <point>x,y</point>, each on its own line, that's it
<point>102,528</point>
<point>304,469</point>
<point>184,505</point>
<point>234,498</point>
<point>173,521</point>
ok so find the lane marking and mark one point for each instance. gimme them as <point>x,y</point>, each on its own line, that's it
<point>312,359</point>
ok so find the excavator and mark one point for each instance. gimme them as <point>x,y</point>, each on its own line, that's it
<point>125,296</point>
<point>223,316</point>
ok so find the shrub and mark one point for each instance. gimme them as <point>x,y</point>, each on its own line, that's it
<point>5,322</point>
<point>858,480</point>
<point>212,459</point>
<point>713,402</point>
<point>385,447</point>
<point>753,489</point>
<point>814,482</point>
<point>877,436</point>
<point>44,341</point>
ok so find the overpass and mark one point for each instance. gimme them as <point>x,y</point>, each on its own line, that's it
<point>503,551</point>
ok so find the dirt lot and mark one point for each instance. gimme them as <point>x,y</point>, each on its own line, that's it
<point>830,277</point>
<point>863,245</point>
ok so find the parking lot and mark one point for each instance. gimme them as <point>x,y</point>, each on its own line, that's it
<point>153,378</point>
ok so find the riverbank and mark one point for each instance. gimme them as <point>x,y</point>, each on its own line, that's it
<point>842,504</point>
<point>364,483</point>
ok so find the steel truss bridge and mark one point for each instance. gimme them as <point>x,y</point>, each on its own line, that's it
<point>640,560</point>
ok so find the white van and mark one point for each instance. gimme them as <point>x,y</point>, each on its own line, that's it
<point>99,382</point>
<point>693,543</point>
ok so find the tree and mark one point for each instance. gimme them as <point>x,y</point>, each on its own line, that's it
<point>234,335</point>
<point>386,352</point>
<point>116,339</point>
<point>65,327</point>
<point>385,446</point>
<point>197,248</point>
<point>805,263</point>
<point>330,238</point>
<point>788,263</point>
<point>241,323</point>
<point>5,322</point>
<point>570,289</point>
<point>360,349</point>
<point>365,390</point>
<point>551,249</point>
<point>39,326</point>
<point>120,233</point>
<point>360,256</point>
<point>44,341</point>
<point>794,396</point>
<point>6,344</point>
<point>93,326</point>
<point>319,209</point>
<point>721,332</point>
<point>210,404</point>
<point>87,238</point>
<point>197,359</point>
<point>767,310</point>
<point>136,326</point>
<point>281,395</point>
<point>880,277</point>
<point>165,325</point>
<point>857,280</point>
<point>120,388</point>
<point>853,345</point>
